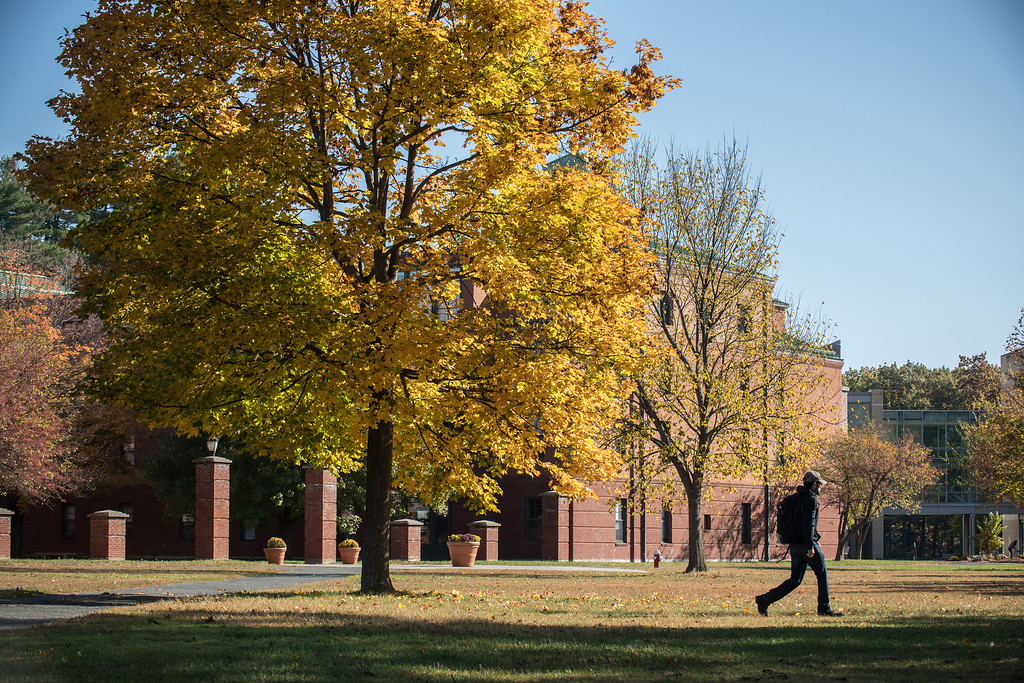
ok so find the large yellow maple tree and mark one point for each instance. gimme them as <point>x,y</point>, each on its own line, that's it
<point>311,201</point>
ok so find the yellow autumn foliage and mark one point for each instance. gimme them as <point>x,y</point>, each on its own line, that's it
<point>337,236</point>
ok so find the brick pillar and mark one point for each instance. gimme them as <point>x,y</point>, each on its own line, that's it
<point>106,534</point>
<point>321,515</point>
<point>554,527</point>
<point>405,540</point>
<point>488,533</point>
<point>213,492</point>
<point>5,533</point>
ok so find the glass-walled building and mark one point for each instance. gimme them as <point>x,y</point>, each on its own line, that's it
<point>944,524</point>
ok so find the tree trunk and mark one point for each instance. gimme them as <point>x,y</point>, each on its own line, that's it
<point>696,560</point>
<point>844,538</point>
<point>376,576</point>
<point>862,534</point>
<point>845,533</point>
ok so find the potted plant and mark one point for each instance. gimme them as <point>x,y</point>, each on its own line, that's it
<point>463,548</point>
<point>275,550</point>
<point>349,551</point>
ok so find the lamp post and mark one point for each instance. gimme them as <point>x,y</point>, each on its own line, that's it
<point>211,445</point>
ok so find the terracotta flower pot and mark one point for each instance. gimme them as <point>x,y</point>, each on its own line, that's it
<point>275,555</point>
<point>463,553</point>
<point>348,555</point>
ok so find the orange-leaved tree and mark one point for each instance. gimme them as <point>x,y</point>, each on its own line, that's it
<point>51,442</point>
<point>870,473</point>
<point>335,235</point>
<point>35,425</point>
<point>995,444</point>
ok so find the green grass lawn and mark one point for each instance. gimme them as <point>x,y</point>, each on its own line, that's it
<point>905,622</point>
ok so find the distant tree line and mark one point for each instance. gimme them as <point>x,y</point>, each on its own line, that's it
<point>973,383</point>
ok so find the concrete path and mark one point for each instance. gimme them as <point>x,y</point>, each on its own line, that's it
<point>40,609</point>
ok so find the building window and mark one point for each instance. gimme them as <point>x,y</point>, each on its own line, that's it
<point>128,509</point>
<point>666,525</point>
<point>707,522</point>
<point>534,509</point>
<point>247,533</point>
<point>67,521</point>
<point>187,528</point>
<point>620,521</point>
<point>665,312</point>
<point>745,524</point>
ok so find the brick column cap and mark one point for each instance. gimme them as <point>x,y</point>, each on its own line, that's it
<point>406,522</point>
<point>108,514</point>
<point>484,523</point>
<point>4,512</point>
<point>212,460</point>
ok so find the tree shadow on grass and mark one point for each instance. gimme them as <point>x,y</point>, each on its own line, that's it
<point>326,645</point>
<point>16,593</point>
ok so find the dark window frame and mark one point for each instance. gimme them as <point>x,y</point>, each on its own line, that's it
<point>533,519</point>
<point>67,521</point>
<point>746,513</point>
<point>620,521</point>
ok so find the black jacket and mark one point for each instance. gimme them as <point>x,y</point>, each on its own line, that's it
<point>808,516</point>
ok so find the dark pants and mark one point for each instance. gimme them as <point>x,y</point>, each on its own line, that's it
<point>799,563</point>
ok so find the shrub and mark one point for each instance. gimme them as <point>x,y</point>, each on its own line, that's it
<point>990,533</point>
<point>276,542</point>
<point>348,543</point>
<point>464,538</point>
<point>348,524</point>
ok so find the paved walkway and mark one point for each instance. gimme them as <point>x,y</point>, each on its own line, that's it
<point>40,609</point>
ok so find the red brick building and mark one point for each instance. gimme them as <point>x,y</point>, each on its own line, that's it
<point>536,524</point>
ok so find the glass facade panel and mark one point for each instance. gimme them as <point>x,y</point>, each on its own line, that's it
<point>935,436</point>
<point>858,415</point>
<point>911,428</point>
<point>923,537</point>
<point>955,436</point>
<point>939,430</point>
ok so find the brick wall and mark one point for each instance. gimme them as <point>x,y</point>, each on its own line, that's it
<point>5,533</point>
<point>212,523</point>
<point>321,514</point>
<point>106,535</point>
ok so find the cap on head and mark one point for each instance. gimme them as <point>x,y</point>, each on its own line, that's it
<point>812,477</point>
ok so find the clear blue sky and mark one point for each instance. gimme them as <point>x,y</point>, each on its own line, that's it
<point>889,134</point>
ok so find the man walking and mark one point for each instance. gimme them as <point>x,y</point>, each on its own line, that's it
<point>805,551</point>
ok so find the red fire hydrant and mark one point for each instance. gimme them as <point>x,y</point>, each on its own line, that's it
<point>657,559</point>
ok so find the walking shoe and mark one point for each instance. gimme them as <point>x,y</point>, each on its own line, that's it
<point>762,605</point>
<point>829,613</point>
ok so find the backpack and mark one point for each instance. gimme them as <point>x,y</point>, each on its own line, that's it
<point>787,516</point>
